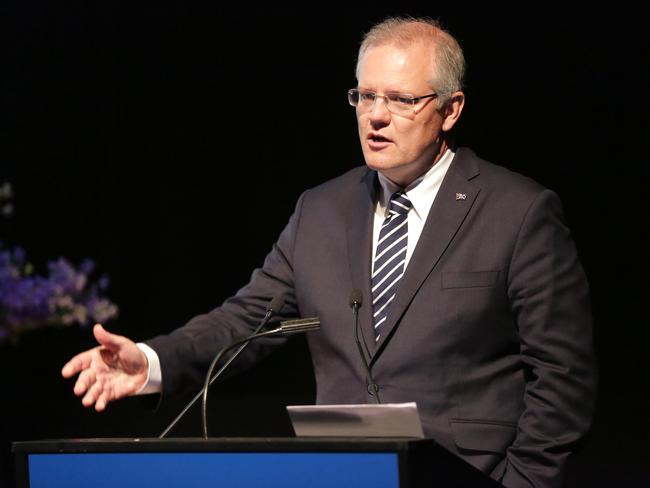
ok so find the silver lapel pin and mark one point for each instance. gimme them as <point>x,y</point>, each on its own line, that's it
<point>461,196</point>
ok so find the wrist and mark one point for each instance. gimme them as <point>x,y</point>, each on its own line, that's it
<point>153,374</point>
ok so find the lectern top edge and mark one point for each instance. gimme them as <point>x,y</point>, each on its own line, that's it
<point>290,444</point>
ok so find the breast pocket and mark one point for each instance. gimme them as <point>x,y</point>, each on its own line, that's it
<point>469,279</point>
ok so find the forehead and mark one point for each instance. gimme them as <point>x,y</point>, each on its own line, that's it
<point>390,67</point>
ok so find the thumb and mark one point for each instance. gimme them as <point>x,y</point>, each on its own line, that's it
<point>110,341</point>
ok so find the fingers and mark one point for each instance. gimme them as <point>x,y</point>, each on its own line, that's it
<point>102,392</point>
<point>86,379</point>
<point>107,372</point>
<point>106,339</point>
<point>78,363</point>
<point>98,391</point>
<point>83,360</point>
<point>102,401</point>
<point>100,395</point>
<point>107,392</point>
<point>92,394</point>
<point>98,387</point>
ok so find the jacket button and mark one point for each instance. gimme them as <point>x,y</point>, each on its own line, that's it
<point>371,388</point>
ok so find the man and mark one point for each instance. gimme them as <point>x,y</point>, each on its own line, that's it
<point>475,304</point>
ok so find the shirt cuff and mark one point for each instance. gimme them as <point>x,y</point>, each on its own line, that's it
<point>154,373</point>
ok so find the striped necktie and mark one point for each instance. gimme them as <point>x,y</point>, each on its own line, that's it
<point>390,257</point>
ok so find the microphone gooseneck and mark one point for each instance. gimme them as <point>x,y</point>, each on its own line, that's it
<point>356,300</point>
<point>287,327</point>
<point>274,306</point>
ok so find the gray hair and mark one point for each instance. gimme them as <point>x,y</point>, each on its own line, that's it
<point>449,69</point>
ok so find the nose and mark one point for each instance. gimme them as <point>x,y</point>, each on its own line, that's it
<point>379,115</point>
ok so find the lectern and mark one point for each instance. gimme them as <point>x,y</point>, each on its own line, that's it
<point>242,463</point>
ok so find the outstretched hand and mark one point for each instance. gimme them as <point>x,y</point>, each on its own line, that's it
<point>114,369</point>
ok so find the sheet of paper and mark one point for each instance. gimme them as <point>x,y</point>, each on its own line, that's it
<point>385,420</point>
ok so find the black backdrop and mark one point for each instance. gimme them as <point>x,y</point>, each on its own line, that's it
<point>131,132</point>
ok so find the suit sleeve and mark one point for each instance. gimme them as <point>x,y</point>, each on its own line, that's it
<point>549,296</point>
<point>186,353</point>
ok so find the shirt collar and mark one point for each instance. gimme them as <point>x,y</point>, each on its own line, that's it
<point>422,191</point>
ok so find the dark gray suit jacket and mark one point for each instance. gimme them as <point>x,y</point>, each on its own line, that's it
<point>490,331</point>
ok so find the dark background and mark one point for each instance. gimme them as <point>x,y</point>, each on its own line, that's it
<point>147,137</point>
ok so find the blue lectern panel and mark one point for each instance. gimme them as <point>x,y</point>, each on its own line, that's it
<point>198,470</point>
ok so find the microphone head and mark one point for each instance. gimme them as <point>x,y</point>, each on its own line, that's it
<point>356,298</point>
<point>275,305</point>
<point>298,326</point>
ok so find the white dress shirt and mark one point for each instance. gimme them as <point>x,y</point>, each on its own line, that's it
<point>422,192</point>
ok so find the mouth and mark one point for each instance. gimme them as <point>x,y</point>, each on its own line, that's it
<point>377,141</point>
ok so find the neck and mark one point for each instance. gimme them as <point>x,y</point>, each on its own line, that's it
<point>405,178</point>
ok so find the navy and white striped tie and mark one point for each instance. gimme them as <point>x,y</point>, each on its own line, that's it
<point>390,257</point>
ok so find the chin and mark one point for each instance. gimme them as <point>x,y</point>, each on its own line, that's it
<point>379,163</point>
<point>391,172</point>
<point>400,174</point>
<point>383,166</point>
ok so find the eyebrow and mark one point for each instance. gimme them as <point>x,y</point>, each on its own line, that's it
<point>408,92</point>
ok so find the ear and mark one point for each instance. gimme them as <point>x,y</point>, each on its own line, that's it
<point>452,110</point>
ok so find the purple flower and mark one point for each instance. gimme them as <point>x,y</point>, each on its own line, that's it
<point>27,302</point>
<point>65,278</point>
<point>101,310</point>
<point>65,297</point>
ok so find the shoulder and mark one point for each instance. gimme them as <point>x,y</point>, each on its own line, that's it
<point>491,175</point>
<point>497,182</point>
<point>340,190</point>
<point>338,198</point>
<point>507,194</point>
<point>349,180</point>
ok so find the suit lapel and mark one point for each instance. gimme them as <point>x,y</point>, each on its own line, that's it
<point>359,227</point>
<point>453,201</point>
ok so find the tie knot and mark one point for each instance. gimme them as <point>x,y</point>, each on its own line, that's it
<point>399,203</point>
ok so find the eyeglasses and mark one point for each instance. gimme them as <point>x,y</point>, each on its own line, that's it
<point>396,103</point>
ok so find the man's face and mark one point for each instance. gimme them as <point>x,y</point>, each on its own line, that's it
<point>400,147</point>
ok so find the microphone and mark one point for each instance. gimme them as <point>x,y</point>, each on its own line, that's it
<point>274,306</point>
<point>356,300</point>
<point>287,327</point>
<point>296,326</point>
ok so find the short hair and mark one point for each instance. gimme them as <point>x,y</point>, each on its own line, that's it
<point>449,71</point>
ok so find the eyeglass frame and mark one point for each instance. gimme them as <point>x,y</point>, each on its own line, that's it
<point>412,99</point>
